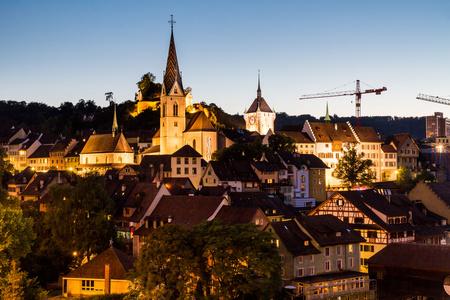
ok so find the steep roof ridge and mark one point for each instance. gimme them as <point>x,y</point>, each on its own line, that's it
<point>353,131</point>
<point>307,124</point>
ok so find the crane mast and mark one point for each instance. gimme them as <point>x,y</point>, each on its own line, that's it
<point>357,92</point>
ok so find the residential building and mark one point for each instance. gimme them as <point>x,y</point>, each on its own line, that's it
<point>268,175</point>
<point>436,126</point>
<point>104,274</point>
<point>72,157</point>
<point>407,150</point>
<point>59,151</point>
<point>378,220</point>
<point>388,162</point>
<point>39,160</point>
<point>21,149</point>
<point>320,258</point>
<point>18,183</point>
<point>434,195</point>
<point>238,175</point>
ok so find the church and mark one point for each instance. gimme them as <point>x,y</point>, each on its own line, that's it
<point>177,128</point>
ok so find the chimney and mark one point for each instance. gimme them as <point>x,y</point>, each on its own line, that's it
<point>107,279</point>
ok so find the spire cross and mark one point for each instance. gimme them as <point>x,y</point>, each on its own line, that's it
<point>171,22</point>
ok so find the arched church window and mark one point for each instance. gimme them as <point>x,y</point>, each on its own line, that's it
<point>194,144</point>
<point>175,109</point>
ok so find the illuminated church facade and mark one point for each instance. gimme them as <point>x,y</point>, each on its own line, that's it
<point>176,127</point>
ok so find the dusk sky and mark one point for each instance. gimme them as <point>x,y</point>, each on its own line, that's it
<point>57,51</point>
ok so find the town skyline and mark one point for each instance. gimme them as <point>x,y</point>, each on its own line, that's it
<point>58,52</point>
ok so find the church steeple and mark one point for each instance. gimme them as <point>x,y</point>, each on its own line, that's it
<point>327,116</point>
<point>115,127</point>
<point>172,73</point>
<point>258,92</point>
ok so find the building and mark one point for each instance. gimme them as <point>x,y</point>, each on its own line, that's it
<point>40,159</point>
<point>411,271</point>
<point>59,151</point>
<point>259,117</point>
<point>407,150</point>
<point>436,126</point>
<point>177,128</point>
<point>378,220</point>
<point>104,274</point>
<point>320,258</point>
<point>434,195</point>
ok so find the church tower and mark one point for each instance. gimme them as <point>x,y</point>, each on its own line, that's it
<point>173,103</point>
<point>259,117</point>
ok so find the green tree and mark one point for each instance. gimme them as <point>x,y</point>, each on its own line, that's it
<point>16,235</point>
<point>404,179</point>
<point>208,262</point>
<point>353,169</point>
<point>281,142</point>
<point>6,168</point>
<point>244,151</point>
<point>150,90</point>
<point>79,218</point>
<point>424,176</point>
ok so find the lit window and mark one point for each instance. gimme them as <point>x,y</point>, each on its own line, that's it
<point>87,285</point>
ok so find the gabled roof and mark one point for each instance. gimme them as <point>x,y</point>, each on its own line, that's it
<point>328,230</point>
<point>388,148</point>
<point>231,215</point>
<point>259,104</point>
<point>141,197</point>
<point>364,200</point>
<point>264,166</point>
<point>186,210</point>
<point>40,183</point>
<point>224,171</point>
<point>275,159</point>
<point>219,190</point>
<point>293,238</point>
<point>245,171</point>
<point>271,205</point>
<point>309,160</point>
<point>41,152</point>
<point>61,145</point>
<point>119,264</point>
<point>398,139</point>
<point>300,137</point>
<point>441,189</point>
<point>152,149</point>
<point>186,151</point>
<point>23,177</point>
<point>418,256</point>
<point>366,134</point>
<point>106,143</point>
<point>172,73</point>
<point>329,132</point>
<point>199,122</point>
<point>76,150</point>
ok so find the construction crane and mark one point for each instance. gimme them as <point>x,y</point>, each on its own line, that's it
<point>433,99</point>
<point>357,94</point>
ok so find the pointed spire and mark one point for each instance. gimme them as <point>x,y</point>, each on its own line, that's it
<point>172,73</point>
<point>115,127</point>
<point>327,116</point>
<point>258,92</point>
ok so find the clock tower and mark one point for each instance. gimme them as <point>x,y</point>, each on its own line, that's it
<point>259,117</point>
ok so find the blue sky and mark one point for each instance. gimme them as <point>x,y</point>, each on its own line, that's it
<point>56,51</point>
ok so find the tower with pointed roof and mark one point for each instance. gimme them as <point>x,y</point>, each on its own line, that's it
<point>259,117</point>
<point>173,104</point>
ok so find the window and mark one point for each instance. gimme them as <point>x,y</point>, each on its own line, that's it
<point>186,160</point>
<point>175,124</point>
<point>178,160</point>
<point>350,248</point>
<point>359,220</point>
<point>194,171</point>
<point>338,250</point>
<point>186,170</point>
<point>311,271</point>
<point>311,258</point>
<point>175,109</point>
<point>372,234</point>
<point>259,222</point>
<point>178,170</point>
<point>301,272</point>
<point>194,160</point>
<point>300,259</point>
<point>327,266</point>
<point>194,144</point>
<point>164,111</point>
<point>350,262</point>
<point>339,264</point>
<point>87,285</point>
<point>327,251</point>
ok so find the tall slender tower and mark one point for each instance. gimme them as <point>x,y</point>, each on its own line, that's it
<point>173,103</point>
<point>115,126</point>
<point>259,117</point>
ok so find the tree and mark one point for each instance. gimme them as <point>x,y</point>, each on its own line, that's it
<point>79,218</point>
<point>281,142</point>
<point>244,151</point>
<point>6,168</point>
<point>404,179</point>
<point>353,169</point>
<point>210,261</point>
<point>424,176</point>
<point>16,235</point>
<point>149,89</point>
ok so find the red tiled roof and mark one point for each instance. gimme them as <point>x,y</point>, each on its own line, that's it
<point>119,263</point>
